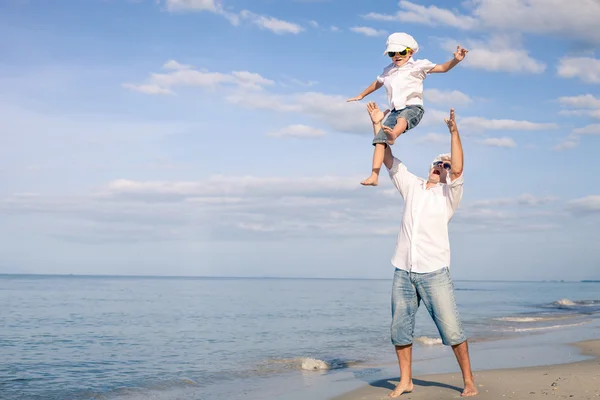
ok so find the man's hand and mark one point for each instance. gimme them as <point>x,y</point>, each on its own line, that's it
<point>460,53</point>
<point>375,113</point>
<point>357,98</point>
<point>451,122</point>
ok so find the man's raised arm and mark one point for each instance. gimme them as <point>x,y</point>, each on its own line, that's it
<point>456,148</point>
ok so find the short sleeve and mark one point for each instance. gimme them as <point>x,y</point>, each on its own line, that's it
<point>424,65</point>
<point>453,192</point>
<point>402,179</point>
<point>386,71</point>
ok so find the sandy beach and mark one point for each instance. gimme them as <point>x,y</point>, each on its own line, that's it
<point>579,380</point>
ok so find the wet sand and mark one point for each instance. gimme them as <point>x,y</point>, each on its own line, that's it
<point>579,380</point>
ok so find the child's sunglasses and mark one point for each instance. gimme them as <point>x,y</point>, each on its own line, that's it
<point>447,165</point>
<point>400,53</point>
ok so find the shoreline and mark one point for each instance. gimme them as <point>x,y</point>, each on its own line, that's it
<point>574,380</point>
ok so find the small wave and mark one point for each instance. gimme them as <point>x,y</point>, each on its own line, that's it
<point>305,363</point>
<point>565,303</point>
<point>541,328</point>
<point>528,319</point>
<point>428,341</point>
<point>578,303</point>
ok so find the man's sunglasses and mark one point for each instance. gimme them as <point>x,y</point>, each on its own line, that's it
<point>446,165</point>
<point>400,53</point>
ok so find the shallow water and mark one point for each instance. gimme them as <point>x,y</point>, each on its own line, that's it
<point>168,338</point>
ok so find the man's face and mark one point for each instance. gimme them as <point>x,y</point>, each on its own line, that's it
<point>439,171</point>
<point>399,58</point>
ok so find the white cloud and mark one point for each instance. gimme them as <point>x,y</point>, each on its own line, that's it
<point>589,204</point>
<point>434,138</point>
<point>582,101</point>
<point>313,23</point>
<point>367,31</point>
<point>576,19</point>
<point>480,123</point>
<point>526,199</point>
<point>148,89</point>
<point>251,80</point>
<point>172,64</point>
<point>592,129</point>
<point>499,53</point>
<point>272,24</point>
<point>330,110</point>
<point>249,207</point>
<point>196,5</point>
<point>580,113</point>
<point>432,15</point>
<point>586,69</point>
<point>570,142</point>
<point>447,97</point>
<point>584,105</point>
<point>298,131</point>
<point>163,83</point>
<point>505,142</point>
<point>334,28</point>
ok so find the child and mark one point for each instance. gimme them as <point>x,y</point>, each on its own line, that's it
<point>403,80</point>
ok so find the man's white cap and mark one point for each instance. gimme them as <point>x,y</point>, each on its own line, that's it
<point>399,41</point>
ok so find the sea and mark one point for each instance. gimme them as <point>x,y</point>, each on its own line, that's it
<point>166,338</point>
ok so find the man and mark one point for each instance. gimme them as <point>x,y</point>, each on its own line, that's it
<point>422,256</point>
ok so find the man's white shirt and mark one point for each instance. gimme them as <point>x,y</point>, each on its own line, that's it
<point>423,245</point>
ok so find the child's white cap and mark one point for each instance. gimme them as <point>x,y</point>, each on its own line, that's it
<point>399,41</point>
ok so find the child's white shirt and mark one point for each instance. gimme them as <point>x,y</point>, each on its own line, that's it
<point>404,85</point>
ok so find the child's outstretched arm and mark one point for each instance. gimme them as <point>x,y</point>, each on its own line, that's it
<point>372,87</point>
<point>459,55</point>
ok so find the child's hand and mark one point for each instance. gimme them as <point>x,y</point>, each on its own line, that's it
<point>460,53</point>
<point>357,98</point>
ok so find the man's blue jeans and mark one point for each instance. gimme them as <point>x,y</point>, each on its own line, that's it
<point>436,291</point>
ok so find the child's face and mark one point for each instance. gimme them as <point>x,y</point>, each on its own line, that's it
<point>399,59</point>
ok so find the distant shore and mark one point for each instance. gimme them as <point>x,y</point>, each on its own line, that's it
<point>578,380</point>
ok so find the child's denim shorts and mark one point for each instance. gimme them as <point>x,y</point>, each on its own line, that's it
<point>412,114</point>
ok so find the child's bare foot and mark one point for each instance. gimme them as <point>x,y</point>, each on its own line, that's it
<point>373,180</point>
<point>375,113</point>
<point>401,388</point>
<point>391,136</point>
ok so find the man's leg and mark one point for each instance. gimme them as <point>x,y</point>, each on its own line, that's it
<point>461,351</point>
<point>436,289</point>
<point>405,303</point>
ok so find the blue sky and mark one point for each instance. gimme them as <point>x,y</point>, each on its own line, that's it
<point>198,137</point>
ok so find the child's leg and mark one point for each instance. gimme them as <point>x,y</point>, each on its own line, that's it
<point>379,152</point>
<point>398,130</point>
<point>378,156</point>
<point>408,118</point>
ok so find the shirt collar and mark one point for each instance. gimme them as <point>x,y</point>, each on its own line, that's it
<point>410,61</point>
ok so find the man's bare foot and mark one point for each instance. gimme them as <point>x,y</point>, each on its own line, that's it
<point>401,388</point>
<point>375,113</point>
<point>373,180</point>
<point>470,389</point>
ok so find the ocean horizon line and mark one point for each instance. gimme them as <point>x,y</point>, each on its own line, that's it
<point>217,277</point>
